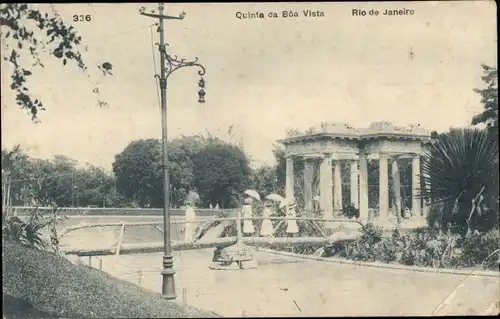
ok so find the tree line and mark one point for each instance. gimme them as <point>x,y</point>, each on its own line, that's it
<point>215,171</point>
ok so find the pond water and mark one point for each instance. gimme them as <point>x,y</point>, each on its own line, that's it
<point>106,236</point>
<point>129,267</point>
<point>281,285</point>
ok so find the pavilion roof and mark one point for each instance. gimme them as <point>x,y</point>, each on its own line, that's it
<point>346,131</point>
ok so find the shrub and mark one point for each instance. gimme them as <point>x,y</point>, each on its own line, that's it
<point>459,166</point>
<point>434,216</point>
<point>350,211</point>
<point>30,232</point>
<point>366,245</point>
<point>423,247</point>
<point>229,230</point>
<point>481,247</point>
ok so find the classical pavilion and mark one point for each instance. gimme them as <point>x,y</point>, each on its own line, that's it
<point>332,145</point>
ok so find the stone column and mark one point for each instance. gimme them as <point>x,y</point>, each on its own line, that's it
<point>326,200</point>
<point>337,188</point>
<point>363,187</point>
<point>354,184</point>
<point>289,187</point>
<point>383,187</point>
<point>427,185</point>
<point>396,184</point>
<point>308,180</point>
<point>415,185</point>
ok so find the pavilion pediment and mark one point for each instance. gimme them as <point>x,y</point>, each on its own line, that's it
<point>337,130</point>
<point>387,128</point>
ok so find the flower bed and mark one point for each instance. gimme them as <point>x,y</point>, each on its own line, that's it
<point>423,247</point>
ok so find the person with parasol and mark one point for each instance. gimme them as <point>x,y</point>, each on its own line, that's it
<point>247,212</point>
<point>290,210</point>
<point>267,229</point>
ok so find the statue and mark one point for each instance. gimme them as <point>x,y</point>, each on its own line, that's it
<point>293,133</point>
<point>189,227</point>
<point>291,227</point>
<point>417,129</point>
<point>236,256</point>
<point>311,131</point>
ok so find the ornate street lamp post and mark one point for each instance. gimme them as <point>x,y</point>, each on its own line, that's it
<point>168,65</point>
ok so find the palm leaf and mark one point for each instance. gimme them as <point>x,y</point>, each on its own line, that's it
<point>457,165</point>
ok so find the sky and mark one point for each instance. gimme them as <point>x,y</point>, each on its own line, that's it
<point>263,75</point>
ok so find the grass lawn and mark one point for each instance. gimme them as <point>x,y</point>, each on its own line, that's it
<point>38,284</point>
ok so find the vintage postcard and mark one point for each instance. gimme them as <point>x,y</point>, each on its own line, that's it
<point>165,160</point>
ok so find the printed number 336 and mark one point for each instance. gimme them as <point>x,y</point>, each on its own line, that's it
<point>81,18</point>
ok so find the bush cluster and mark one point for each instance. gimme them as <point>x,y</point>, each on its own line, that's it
<point>425,247</point>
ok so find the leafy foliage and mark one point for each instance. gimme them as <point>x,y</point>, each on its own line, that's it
<point>264,180</point>
<point>364,247</point>
<point>59,180</point>
<point>139,174</point>
<point>479,248</point>
<point>208,166</point>
<point>182,151</point>
<point>424,247</point>
<point>489,99</point>
<point>350,211</point>
<point>458,165</point>
<point>220,170</point>
<point>30,32</point>
<point>30,232</point>
<point>280,168</point>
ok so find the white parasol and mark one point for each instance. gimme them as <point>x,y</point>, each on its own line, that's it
<point>275,197</point>
<point>252,193</point>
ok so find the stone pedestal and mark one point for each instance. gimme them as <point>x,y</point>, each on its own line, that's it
<point>220,266</point>
<point>248,264</point>
<point>234,257</point>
